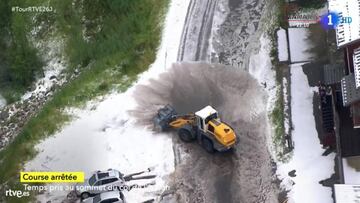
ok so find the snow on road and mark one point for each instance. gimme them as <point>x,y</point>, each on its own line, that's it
<point>351,169</point>
<point>311,167</point>
<point>282,45</point>
<point>299,45</point>
<point>220,13</point>
<point>239,34</point>
<point>198,30</point>
<point>108,137</point>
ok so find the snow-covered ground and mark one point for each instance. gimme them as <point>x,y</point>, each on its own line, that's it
<point>108,137</point>
<point>283,53</point>
<point>260,68</point>
<point>346,193</point>
<point>286,107</point>
<point>198,29</point>
<point>311,167</point>
<point>351,169</point>
<point>299,45</point>
<point>220,13</point>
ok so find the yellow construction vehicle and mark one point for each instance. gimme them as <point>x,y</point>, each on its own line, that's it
<point>204,126</point>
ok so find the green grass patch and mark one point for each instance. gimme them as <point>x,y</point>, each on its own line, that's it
<point>278,120</point>
<point>313,4</point>
<point>281,14</point>
<point>20,63</point>
<point>122,37</point>
<point>278,117</point>
<point>277,114</point>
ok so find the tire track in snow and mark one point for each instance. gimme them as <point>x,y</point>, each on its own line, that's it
<point>197,31</point>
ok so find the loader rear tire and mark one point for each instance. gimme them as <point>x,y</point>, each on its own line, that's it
<point>208,145</point>
<point>185,135</point>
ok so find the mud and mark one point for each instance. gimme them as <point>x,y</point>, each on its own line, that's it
<point>242,175</point>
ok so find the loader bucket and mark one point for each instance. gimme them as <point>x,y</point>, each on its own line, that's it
<point>163,117</point>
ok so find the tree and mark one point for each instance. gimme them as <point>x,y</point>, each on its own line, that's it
<point>311,3</point>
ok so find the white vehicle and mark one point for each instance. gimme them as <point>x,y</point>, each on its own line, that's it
<point>106,197</point>
<point>100,181</point>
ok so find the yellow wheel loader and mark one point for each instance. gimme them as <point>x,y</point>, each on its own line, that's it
<point>204,126</point>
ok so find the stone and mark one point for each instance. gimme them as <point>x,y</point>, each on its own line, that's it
<point>4,115</point>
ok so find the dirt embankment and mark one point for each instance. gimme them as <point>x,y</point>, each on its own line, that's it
<point>243,175</point>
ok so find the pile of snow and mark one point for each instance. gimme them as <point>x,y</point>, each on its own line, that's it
<point>108,137</point>
<point>260,67</point>
<point>282,45</point>
<point>311,167</point>
<point>286,107</point>
<point>351,173</point>
<point>299,45</point>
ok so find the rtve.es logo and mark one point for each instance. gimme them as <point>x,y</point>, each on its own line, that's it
<point>16,193</point>
<point>333,19</point>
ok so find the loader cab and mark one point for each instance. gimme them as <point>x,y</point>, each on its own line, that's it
<point>204,116</point>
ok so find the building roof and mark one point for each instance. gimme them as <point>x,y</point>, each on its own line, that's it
<point>350,93</point>
<point>346,193</point>
<point>346,33</point>
<point>333,73</point>
<point>205,112</point>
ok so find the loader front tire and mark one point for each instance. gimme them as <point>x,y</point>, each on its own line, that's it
<point>185,135</point>
<point>208,145</point>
